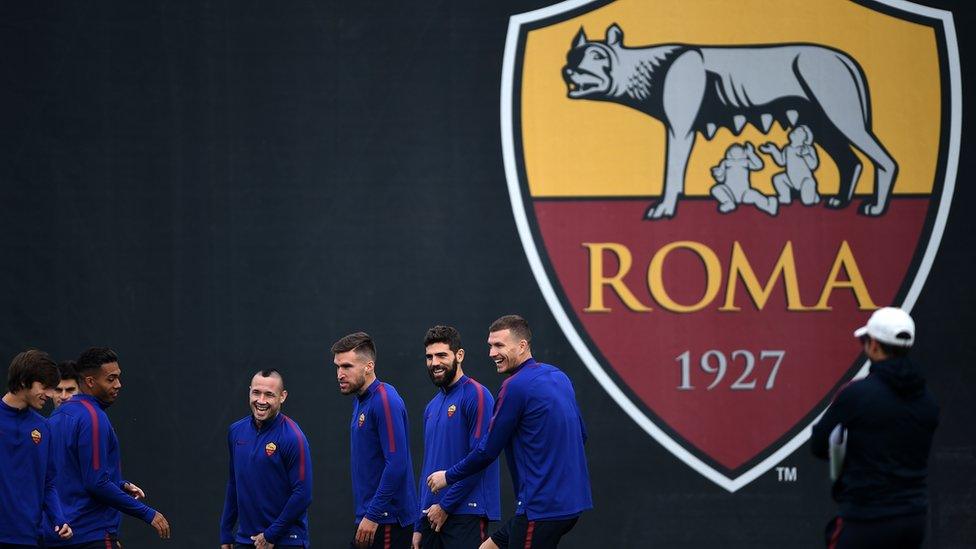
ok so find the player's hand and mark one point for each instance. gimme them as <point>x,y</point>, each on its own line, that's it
<point>227,546</point>
<point>437,481</point>
<point>417,537</point>
<point>133,490</point>
<point>261,543</point>
<point>366,532</point>
<point>488,544</point>
<point>767,147</point>
<point>437,517</point>
<point>63,531</point>
<point>161,525</point>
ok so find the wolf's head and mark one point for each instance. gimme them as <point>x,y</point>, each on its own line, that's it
<point>589,65</point>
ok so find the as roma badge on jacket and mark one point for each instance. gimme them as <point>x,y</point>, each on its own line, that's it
<point>36,436</point>
<point>362,419</point>
<point>450,410</point>
<point>270,448</point>
<point>713,195</point>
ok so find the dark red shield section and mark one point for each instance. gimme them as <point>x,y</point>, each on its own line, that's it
<point>730,384</point>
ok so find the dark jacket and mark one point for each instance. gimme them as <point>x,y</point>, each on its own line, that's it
<point>89,478</point>
<point>455,421</point>
<point>890,417</point>
<point>538,423</point>
<point>382,472</point>
<point>28,486</point>
<point>269,486</point>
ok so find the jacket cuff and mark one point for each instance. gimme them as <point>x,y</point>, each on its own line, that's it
<point>449,506</point>
<point>148,514</point>
<point>449,476</point>
<point>373,516</point>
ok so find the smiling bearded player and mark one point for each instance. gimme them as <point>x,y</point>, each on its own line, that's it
<point>455,421</point>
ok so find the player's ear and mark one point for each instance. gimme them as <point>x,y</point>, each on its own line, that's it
<point>460,355</point>
<point>284,395</point>
<point>614,35</point>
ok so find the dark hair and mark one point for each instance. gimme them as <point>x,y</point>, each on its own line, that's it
<point>68,371</point>
<point>359,342</point>
<point>30,366</point>
<point>93,358</point>
<point>271,372</point>
<point>894,351</point>
<point>443,334</point>
<point>518,325</point>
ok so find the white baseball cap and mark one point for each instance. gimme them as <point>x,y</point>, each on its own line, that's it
<point>889,325</point>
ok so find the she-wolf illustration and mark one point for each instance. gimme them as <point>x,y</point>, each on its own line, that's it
<point>693,88</point>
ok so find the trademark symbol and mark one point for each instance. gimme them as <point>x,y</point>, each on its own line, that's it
<point>786,474</point>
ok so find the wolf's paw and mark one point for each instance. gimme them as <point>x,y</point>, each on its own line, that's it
<point>871,208</point>
<point>835,203</point>
<point>662,210</point>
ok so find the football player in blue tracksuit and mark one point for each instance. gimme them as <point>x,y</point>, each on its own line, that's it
<point>536,417</point>
<point>93,493</point>
<point>269,487</point>
<point>455,421</point>
<point>29,504</point>
<point>382,473</point>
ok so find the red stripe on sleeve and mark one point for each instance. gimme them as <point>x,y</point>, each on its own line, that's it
<point>387,536</point>
<point>389,417</point>
<point>301,448</point>
<point>481,408</point>
<point>498,404</point>
<point>94,418</point>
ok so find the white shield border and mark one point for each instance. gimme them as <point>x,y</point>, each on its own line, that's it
<point>535,261</point>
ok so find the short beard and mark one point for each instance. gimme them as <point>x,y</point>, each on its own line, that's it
<point>448,375</point>
<point>354,388</point>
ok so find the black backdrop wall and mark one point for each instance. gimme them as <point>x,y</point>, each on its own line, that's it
<point>213,188</point>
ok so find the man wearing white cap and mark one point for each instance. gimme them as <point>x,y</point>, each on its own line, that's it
<point>889,417</point>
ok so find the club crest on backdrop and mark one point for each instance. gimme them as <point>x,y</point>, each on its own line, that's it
<point>711,205</point>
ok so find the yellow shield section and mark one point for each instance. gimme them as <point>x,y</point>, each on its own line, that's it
<point>591,148</point>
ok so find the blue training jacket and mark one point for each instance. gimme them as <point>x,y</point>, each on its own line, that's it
<point>27,486</point>
<point>537,419</point>
<point>89,477</point>
<point>269,487</point>
<point>455,421</point>
<point>382,471</point>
